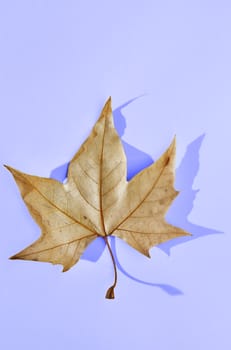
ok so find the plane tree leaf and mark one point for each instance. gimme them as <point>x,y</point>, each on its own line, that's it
<point>98,201</point>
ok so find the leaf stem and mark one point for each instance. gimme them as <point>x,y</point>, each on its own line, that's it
<point>110,292</point>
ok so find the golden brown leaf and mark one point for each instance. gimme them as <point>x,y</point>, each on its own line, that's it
<point>97,200</point>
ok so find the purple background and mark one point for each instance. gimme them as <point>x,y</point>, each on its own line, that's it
<point>60,60</point>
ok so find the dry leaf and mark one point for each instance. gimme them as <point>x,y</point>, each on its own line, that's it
<point>98,201</point>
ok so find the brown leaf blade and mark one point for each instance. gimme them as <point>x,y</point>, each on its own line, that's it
<point>64,237</point>
<point>71,215</point>
<point>148,197</point>
<point>98,171</point>
<point>97,201</point>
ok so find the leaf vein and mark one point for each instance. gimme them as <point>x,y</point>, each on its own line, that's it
<point>59,245</point>
<point>146,195</point>
<point>114,186</point>
<point>87,174</point>
<point>59,209</point>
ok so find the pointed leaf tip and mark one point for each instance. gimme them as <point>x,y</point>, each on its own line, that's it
<point>65,269</point>
<point>108,102</point>
<point>13,257</point>
<point>174,141</point>
<point>10,169</point>
<point>148,255</point>
<point>106,110</point>
<point>7,167</point>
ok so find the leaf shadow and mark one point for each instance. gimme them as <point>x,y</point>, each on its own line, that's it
<point>165,287</point>
<point>178,212</point>
<point>183,204</point>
